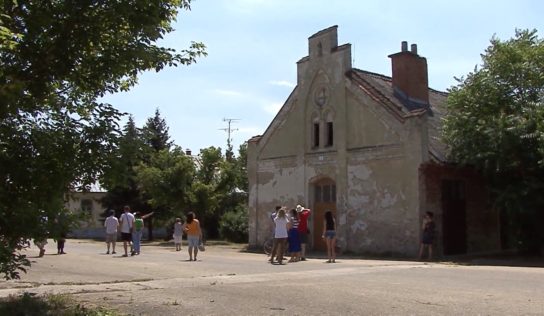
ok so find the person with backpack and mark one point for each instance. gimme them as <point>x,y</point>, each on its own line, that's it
<point>138,231</point>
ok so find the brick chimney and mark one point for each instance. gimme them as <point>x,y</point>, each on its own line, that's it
<point>410,79</point>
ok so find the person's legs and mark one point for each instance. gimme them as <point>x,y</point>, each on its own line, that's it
<point>328,242</point>
<point>190,250</point>
<point>61,246</point>
<point>303,251</point>
<point>280,250</point>
<point>430,251</point>
<point>333,249</point>
<point>274,250</point>
<point>136,240</point>
<point>195,252</point>
<point>421,248</point>
<point>113,241</point>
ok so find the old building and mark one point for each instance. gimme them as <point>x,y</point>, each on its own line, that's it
<point>366,146</point>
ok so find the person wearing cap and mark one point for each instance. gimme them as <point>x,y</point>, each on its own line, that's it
<point>112,224</point>
<point>303,215</point>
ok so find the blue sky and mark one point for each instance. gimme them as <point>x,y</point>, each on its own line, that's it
<point>253,47</point>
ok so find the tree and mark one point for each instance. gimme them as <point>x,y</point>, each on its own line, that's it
<point>495,123</point>
<point>57,59</point>
<point>155,133</point>
<point>167,180</point>
<point>119,177</point>
<point>155,136</point>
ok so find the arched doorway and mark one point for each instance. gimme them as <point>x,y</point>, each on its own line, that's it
<point>324,197</point>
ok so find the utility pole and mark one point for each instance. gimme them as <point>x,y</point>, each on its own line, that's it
<point>229,129</point>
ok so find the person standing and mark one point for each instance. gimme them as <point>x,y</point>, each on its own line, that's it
<point>178,233</point>
<point>427,236</point>
<point>194,235</point>
<point>126,222</point>
<point>112,224</point>
<point>40,242</point>
<point>280,234</point>
<point>60,232</point>
<point>274,245</point>
<point>329,234</point>
<point>303,215</point>
<point>137,232</point>
<point>293,237</point>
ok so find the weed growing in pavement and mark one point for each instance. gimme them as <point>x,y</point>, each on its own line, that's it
<point>61,305</point>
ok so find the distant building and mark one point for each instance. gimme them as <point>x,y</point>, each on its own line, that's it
<point>366,146</point>
<point>89,204</point>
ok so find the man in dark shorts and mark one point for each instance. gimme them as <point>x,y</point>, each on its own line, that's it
<point>303,214</point>
<point>126,222</point>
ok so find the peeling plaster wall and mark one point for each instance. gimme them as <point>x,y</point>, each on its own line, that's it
<point>381,215</point>
<point>374,160</point>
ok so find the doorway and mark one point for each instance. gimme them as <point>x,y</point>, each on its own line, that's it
<point>454,225</point>
<point>324,200</point>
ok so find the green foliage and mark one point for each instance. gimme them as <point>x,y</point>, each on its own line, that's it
<point>155,133</point>
<point>57,58</point>
<point>59,305</point>
<point>495,123</point>
<point>233,225</point>
<point>167,180</point>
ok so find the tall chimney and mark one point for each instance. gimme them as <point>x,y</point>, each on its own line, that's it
<point>410,79</point>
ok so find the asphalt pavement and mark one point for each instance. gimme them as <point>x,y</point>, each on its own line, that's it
<point>227,280</point>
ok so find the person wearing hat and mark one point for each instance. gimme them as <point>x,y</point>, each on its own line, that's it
<point>303,215</point>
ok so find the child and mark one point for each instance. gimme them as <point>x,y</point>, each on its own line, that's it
<point>178,234</point>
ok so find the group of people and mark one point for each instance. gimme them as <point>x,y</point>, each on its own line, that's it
<point>292,227</point>
<point>131,227</point>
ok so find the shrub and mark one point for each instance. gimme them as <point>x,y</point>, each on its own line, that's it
<point>233,225</point>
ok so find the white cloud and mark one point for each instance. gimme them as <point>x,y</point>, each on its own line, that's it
<point>282,83</point>
<point>230,93</point>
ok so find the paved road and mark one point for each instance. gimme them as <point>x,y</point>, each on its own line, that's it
<point>226,280</point>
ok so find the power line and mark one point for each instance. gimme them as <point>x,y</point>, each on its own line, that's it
<point>229,129</point>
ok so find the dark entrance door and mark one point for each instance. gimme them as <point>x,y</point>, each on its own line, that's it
<point>454,221</point>
<point>324,200</point>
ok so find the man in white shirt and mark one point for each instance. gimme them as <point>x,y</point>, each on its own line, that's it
<point>111,223</point>
<point>126,221</point>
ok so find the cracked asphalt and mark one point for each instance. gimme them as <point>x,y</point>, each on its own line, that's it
<point>227,280</point>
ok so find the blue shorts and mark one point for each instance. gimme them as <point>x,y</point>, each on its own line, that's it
<point>330,234</point>
<point>193,241</point>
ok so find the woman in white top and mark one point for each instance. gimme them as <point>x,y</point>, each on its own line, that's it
<point>280,235</point>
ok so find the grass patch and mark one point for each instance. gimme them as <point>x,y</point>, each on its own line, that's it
<point>61,305</point>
